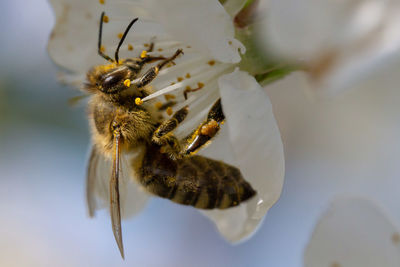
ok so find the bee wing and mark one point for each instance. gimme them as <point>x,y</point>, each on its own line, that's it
<point>132,197</point>
<point>115,209</point>
<point>102,188</point>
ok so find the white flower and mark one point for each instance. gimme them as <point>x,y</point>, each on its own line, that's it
<point>250,138</point>
<point>338,42</point>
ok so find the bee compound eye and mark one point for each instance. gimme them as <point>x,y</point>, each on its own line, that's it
<point>109,82</point>
<point>112,82</point>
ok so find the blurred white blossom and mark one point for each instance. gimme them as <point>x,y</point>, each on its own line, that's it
<point>250,138</point>
<point>348,146</point>
<point>337,42</point>
<point>353,232</point>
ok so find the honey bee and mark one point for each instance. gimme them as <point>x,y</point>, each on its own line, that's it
<point>164,166</point>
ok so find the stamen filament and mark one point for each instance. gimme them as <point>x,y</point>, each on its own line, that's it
<point>216,71</point>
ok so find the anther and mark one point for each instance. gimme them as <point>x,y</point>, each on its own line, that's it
<point>101,2</point>
<point>105,19</point>
<point>169,97</point>
<point>130,47</point>
<point>127,83</point>
<point>169,111</point>
<point>158,105</point>
<point>138,101</point>
<point>143,54</point>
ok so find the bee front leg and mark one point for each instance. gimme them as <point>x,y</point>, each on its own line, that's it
<point>151,74</point>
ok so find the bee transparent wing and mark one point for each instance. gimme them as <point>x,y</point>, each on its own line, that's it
<point>96,181</point>
<point>132,197</point>
<point>115,209</point>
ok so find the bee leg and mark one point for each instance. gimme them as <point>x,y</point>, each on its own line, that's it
<point>151,74</point>
<point>205,131</point>
<point>163,134</point>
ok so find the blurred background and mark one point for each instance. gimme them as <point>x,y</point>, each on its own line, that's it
<point>347,145</point>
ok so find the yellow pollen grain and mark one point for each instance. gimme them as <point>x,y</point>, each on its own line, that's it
<point>169,65</point>
<point>210,128</point>
<point>200,84</point>
<point>102,2</point>
<point>127,83</point>
<point>188,46</point>
<point>120,35</point>
<point>159,49</point>
<point>143,54</point>
<point>188,75</point>
<point>230,42</point>
<point>138,101</point>
<point>211,62</point>
<point>130,47</point>
<point>106,19</point>
<point>169,111</point>
<point>169,97</point>
<point>102,48</point>
<point>146,45</point>
<point>179,79</point>
<point>158,105</point>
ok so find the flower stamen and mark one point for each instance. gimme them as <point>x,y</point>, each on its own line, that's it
<point>204,76</point>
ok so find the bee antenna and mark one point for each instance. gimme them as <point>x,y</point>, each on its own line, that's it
<point>99,48</point>
<point>123,38</point>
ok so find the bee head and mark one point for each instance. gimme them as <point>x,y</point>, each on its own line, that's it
<point>112,78</point>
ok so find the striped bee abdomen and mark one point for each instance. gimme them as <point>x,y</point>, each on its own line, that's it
<point>197,181</point>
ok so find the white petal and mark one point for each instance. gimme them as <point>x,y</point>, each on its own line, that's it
<point>204,25</point>
<point>73,41</point>
<point>353,232</point>
<point>339,40</point>
<point>250,139</point>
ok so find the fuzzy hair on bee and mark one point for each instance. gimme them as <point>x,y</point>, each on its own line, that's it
<point>163,165</point>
